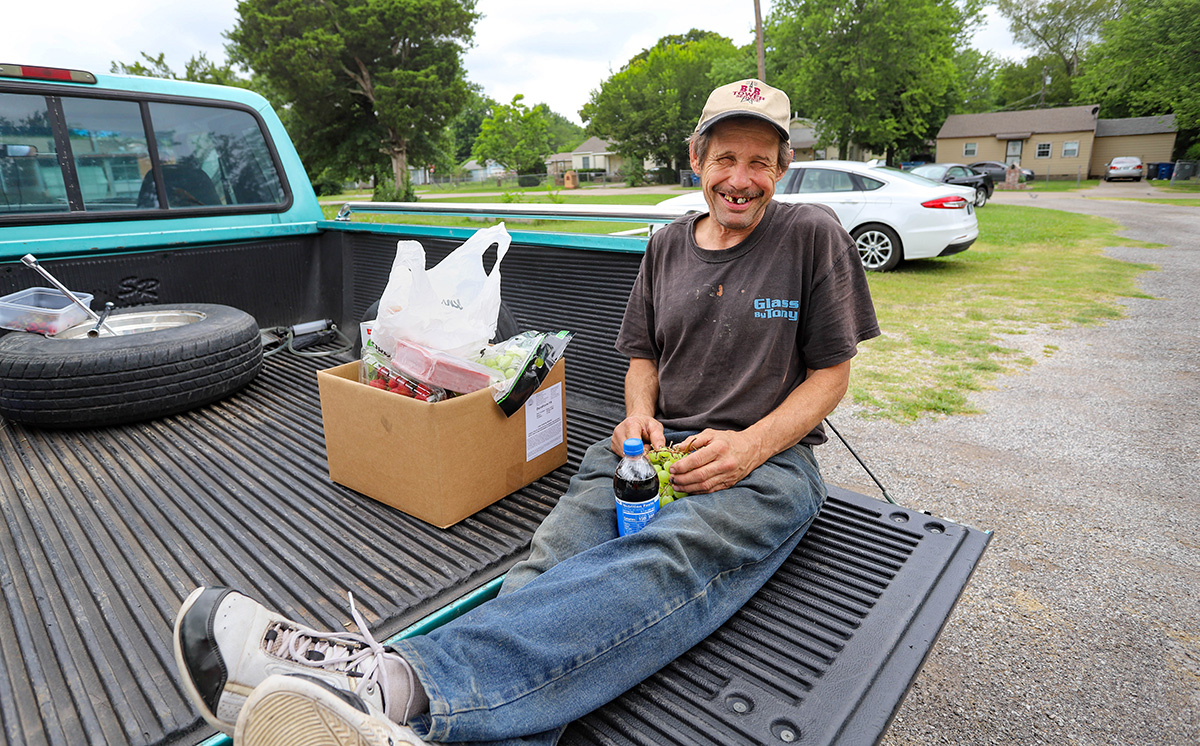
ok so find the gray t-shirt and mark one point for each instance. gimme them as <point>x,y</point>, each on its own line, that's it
<point>734,331</point>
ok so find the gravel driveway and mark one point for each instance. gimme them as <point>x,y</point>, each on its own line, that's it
<point>1081,624</point>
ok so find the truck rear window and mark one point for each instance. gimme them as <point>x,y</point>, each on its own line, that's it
<point>30,178</point>
<point>130,156</point>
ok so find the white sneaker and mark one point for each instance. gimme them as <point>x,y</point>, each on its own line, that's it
<point>226,644</point>
<point>300,710</point>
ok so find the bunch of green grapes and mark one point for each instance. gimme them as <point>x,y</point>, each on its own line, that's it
<point>662,458</point>
<point>505,363</point>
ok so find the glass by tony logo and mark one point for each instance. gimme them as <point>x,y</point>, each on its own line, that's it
<point>776,308</point>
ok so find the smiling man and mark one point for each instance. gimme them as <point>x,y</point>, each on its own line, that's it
<point>739,329</point>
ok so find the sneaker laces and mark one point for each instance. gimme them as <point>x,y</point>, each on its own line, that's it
<point>358,655</point>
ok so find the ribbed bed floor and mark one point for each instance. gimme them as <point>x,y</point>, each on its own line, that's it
<point>105,531</point>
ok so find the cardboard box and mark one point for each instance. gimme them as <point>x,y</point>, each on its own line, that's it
<point>438,461</point>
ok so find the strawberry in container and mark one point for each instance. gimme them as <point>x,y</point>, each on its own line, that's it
<point>376,371</point>
<point>442,369</point>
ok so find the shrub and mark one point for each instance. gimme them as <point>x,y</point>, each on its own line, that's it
<point>387,191</point>
<point>528,180</point>
<point>327,185</point>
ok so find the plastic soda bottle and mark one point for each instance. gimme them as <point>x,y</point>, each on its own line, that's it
<point>635,484</point>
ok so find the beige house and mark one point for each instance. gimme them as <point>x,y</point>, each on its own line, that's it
<point>558,164</point>
<point>1150,138</point>
<point>1065,143</point>
<point>594,154</point>
<point>1054,142</point>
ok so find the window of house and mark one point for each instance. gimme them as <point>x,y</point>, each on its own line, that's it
<point>969,149</point>
<point>587,162</point>
<point>1043,150</point>
<point>1070,149</point>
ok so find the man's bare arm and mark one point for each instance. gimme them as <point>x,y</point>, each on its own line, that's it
<point>722,458</point>
<point>641,402</point>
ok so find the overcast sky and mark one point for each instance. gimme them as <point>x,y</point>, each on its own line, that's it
<point>552,51</point>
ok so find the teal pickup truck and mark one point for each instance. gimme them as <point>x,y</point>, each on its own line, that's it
<point>138,465</point>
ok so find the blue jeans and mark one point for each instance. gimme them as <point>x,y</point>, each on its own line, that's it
<point>590,615</point>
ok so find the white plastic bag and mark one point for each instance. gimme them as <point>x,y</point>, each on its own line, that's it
<point>452,307</point>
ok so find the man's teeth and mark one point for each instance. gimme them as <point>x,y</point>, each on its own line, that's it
<point>735,200</point>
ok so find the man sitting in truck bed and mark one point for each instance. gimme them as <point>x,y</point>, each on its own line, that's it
<point>740,330</point>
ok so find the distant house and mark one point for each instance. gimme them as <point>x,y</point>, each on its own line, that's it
<point>806,146</point>
<point>1065,142</point>
<point>558,164</point>
<point>596,154</point>
<point>1150,138</point>
<point>476,172</point>
<point>804,141</point>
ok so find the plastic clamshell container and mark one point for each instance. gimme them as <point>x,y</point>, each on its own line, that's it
<point>442,369</point>
<point>42,310</point>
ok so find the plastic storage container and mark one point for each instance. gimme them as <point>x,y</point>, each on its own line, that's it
<point>42,310</point>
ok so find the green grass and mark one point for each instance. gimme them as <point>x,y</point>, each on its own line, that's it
<point>950,325</point>
<point>1041,185</point>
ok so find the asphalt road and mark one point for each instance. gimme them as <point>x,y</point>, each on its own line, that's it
<point>1081,624</point>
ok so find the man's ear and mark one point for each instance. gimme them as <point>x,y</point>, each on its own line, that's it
<point>791,157</point>
<point>692,159</point>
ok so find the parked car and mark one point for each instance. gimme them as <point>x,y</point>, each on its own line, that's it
<point>957,173</point>
<point>891,214</point>
<point>998,170</point>
<point>1124,167</point>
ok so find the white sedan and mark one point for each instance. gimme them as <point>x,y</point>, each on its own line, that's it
<point>892,215</point>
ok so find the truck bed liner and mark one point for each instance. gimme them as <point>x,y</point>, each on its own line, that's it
<point>104,532</point>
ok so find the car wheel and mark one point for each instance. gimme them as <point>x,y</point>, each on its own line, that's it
<point>164,360</point>
<point>981,196</point>
<point>878,247</point>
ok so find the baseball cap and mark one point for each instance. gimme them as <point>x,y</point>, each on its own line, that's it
<point>747,98</point>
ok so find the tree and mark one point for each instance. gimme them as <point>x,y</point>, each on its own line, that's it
<point>1148,62</point>
<point>877,73</point>
<point>1063,28</point>
<point>1040,81</point>
<point>466,124</point>
<point>650,107</point>
<point>515,136</point>
<point>198,69</point>
<point>564,134</point>
<point>352,72</point>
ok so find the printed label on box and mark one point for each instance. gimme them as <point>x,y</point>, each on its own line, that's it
<point>543,421</point>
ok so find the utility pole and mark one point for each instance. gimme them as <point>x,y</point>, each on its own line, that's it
<point>1045,82</point>
<point>762,65</point>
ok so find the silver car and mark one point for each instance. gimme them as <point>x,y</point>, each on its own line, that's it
<point>1124,167</point>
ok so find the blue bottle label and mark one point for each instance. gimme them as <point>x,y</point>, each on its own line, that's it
<point>633,517</point>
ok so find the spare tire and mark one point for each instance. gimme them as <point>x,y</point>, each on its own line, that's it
<point>163,360</point>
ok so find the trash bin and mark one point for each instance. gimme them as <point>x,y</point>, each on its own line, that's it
<point>571,180</point>
<point>1165,170</point>
<point>1184,170</point>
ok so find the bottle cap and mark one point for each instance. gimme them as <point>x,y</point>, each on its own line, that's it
<point>633,447</point>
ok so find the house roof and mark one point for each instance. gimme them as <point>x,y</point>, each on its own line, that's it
<point>1157,125</point>
<point>803,135</point>
<point>594,145</point>
<point>1015,124</point>
<point>559,157</point>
